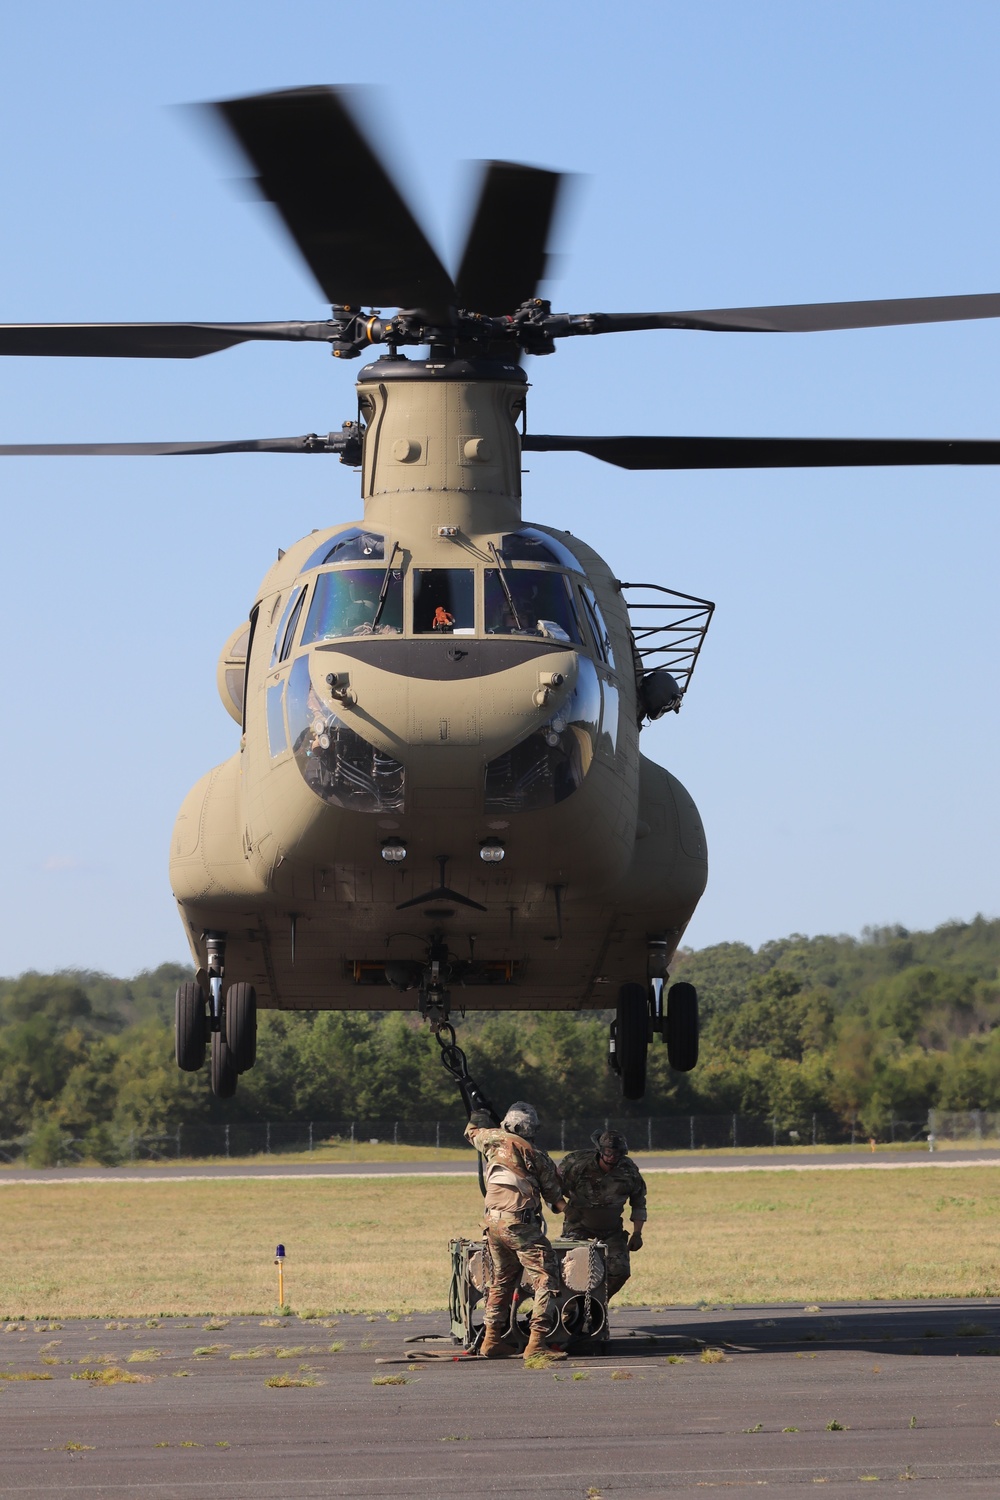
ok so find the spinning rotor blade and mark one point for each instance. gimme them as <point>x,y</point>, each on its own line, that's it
<point>766,453</point>
<point>504,257</point>
<point>146,340</point>
<point>310,443</point>
<point>347,217</point>
<point>810,317</point>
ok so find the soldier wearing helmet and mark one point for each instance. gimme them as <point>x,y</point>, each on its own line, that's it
<point>518,1175</point>
<point>598,1183</point>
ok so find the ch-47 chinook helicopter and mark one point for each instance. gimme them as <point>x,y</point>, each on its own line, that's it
<point>438,798</point>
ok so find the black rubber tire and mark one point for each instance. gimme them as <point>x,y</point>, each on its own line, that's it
<point>632,1039</point>
<point>681,1027</point>
<point>190,1027</point>
<point>224,1075</point>
<point>241,1025</point>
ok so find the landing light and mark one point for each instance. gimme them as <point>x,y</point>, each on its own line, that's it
<point>394,851</point>
<point>492,851</point>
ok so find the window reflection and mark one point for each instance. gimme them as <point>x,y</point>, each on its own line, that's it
<point>277,739</point>
<point>355,545</point>
<point>337,764</point>
<point>294,598</point>
<point>550,764</point>
<point>600,632</point>
<point>539,604</point>
<point>444,601</point>
<point>347,603</point>
<point>609,719</point>
<point>531,545</point>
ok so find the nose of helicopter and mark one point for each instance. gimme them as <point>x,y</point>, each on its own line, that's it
<point>421,701</point>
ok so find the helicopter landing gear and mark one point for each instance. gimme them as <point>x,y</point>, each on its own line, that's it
<point>241,1025</point>
<point>225,1067</point>
<point>680,1029</point>
<point>630,1040</point>
<point>190,1027</point>
<point>215,943</point>
<point>223,1072</point>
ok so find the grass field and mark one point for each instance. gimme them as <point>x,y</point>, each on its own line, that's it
<point>119,1249</point>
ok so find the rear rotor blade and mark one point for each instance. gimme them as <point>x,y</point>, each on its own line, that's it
<point>146,340</point>
<point>346,215</point>
<point>767,453</point>
<point>310,443</point>
<point>505,252</point>
<point>808,317</point>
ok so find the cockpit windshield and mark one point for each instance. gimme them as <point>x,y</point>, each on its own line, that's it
<point>355,545</point>
<point>521,601</point>
<point>531,545</point>
<point>347,602</point>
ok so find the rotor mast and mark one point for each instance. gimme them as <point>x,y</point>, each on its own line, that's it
<point>442,435</point>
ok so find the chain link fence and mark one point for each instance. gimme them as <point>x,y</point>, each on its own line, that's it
<point>359,1140</point>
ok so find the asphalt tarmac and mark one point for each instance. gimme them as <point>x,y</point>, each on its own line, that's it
<point>899,1394</point>
<point>690,1161</point>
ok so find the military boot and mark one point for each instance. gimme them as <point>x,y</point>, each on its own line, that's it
<point>494,1346</point>
<point>537,1345</point>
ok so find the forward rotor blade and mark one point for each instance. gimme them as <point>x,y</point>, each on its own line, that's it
<point>767,453</point>
<point>346,215</point>
<point>504,257</point>
<point>809,317</point>
<point>146,340</point>
<point>311,443</point>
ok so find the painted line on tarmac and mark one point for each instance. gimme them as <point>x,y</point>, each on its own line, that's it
<point>250,1176</point>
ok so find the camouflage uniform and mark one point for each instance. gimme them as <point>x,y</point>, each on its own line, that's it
<point>596,1202</point>
<point>518,1176</point>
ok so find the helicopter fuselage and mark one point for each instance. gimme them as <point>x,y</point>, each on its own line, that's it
<point>440,743</point>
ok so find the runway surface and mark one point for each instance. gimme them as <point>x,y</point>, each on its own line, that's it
<point>693,1161</point>
<point>899,1394</point>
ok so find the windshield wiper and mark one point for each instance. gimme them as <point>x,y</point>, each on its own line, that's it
<point>503,584</point>
<point>383,592</point>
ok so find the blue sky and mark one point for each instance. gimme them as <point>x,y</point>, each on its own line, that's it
<point>840,735</point>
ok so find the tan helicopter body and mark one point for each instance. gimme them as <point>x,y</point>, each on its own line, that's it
<point>438,798</point>
<point>281,854</point>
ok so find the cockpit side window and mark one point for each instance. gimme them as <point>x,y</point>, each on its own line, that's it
<point>346,602</point>
<point>523,601</point>
<point>294,598</point>
<point>598,629</point>
<point>355,545</point>
<point>288,638</point>
<point>531,545</point>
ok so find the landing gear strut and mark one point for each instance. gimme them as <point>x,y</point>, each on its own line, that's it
<point>230,1022</point>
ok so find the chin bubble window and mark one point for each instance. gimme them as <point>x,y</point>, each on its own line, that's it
<point>529,602</point>
<point>444,601</point>
<point>355,601</point>
<point>550,764</point>
<point>337,764</point>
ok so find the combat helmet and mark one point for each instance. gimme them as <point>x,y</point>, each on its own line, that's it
<point>521,1119</point>
<point>610,1141</point>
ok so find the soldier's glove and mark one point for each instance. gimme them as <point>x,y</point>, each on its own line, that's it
<point>481,1118</point>
<point>635,1240</point>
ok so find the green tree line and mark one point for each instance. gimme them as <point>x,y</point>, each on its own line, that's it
<point>893,1022</point>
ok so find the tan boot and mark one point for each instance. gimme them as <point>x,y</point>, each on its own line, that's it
<point>537,1345</point>
<point>494,1347</point>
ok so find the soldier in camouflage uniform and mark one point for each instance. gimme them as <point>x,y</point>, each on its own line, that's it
<point>598,1183</point>
<point>518,1176</point>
